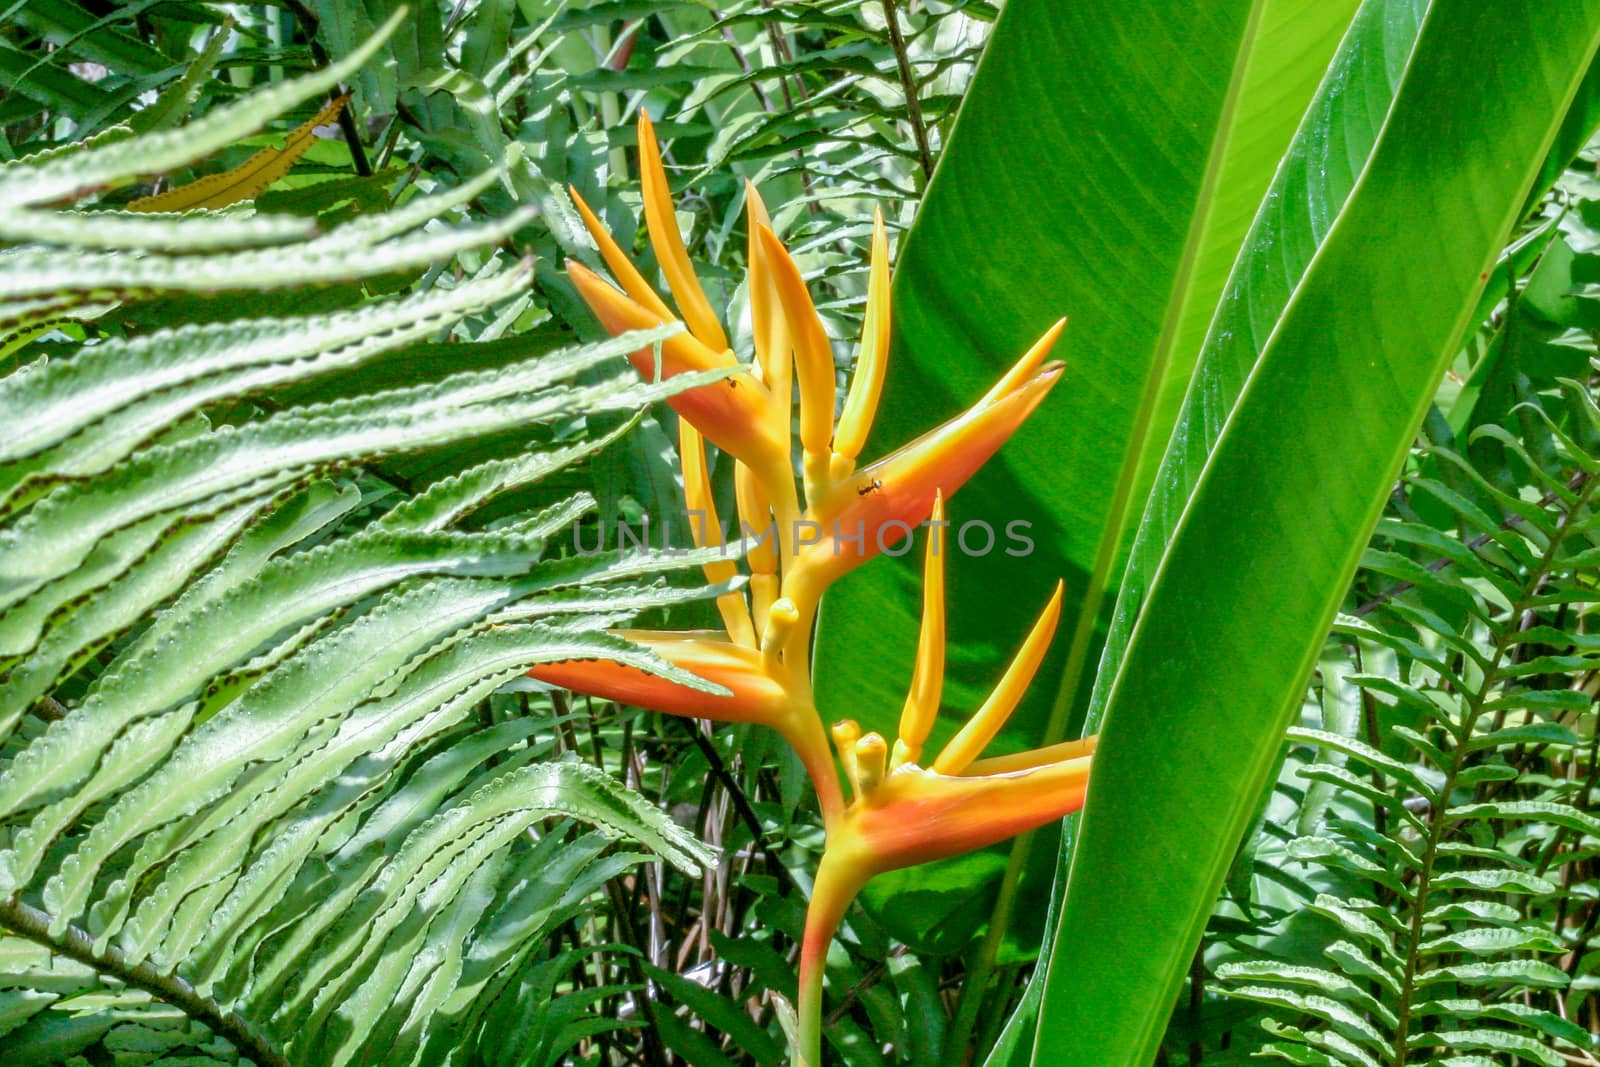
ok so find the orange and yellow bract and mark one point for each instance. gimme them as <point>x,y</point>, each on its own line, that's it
<point>899,813</point>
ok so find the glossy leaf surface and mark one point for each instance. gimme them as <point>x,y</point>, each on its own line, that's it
<point>1357,285</point>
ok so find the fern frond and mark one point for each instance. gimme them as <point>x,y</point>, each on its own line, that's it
<point>260,797</point>
<point>1454,845</point>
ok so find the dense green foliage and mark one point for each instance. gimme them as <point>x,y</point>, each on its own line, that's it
<point>289,494</point>
<point>272,798</point>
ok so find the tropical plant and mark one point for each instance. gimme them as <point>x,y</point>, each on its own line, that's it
<point>1435,807</point>
<point>1271,222</point>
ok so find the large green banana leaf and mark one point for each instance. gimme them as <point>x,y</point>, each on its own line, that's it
<point>1113,189</point>
<point>1353,292</point>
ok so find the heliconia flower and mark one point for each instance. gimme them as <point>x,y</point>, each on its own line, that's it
<point>902,814</point>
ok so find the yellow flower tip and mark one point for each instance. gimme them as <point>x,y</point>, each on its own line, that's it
<point>617,260</point>
<point>974,737</point>
<point>755,209</point>
<point>812,351</point>
<point>661,221</point>
<point>866,386</point>
<point>1029,365</point>
<point>784,612</point>
<point>846,732</point>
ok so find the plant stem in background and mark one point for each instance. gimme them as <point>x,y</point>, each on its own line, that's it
<point>908,82</point>
<point>1438,814</point>
<point>347,120</point>
<point>75,944</point>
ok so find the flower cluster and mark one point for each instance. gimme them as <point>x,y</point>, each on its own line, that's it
<point>899,812</point>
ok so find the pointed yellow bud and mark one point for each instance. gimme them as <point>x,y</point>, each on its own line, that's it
<point>975,736</point>
<point>781,620</point>
<point>855,421</point>
<point>871,755</point>
<point>662,222</point>
<point>927,679</point>
<point>846,732</point>
<point>617,260</point>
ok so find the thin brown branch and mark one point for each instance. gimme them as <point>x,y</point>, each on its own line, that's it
<point>31,923</point>
<point>741,804</point>
<point>908,83</point>
<point>347,121</point>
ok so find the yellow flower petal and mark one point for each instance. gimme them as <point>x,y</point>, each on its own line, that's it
<point>1037,757</point>
<point>974,737</point>
<point>769,329</point>
<point>662,222</point>
<point>866,385</point>
<point>706,528</point>
<point>622,267</point>
<point>755,521</point>
<point>1028,366</point>
<point>812,352</point>
<point>927,679</point>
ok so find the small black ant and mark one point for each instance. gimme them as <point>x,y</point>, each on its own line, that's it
<point>874,486</point>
